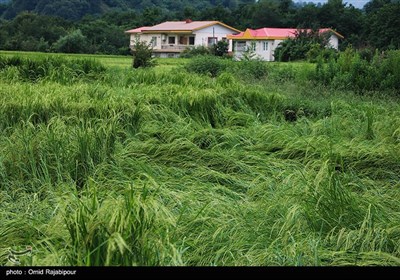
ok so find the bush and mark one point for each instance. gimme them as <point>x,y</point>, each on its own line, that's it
<point>74,42</point>
<point>220,48</point>
<point>390,70</point>
<point>206,65</point>
<point>356,71</point>
<point>142,54</point>
<point>195,51</point>
<point>305,45</point>
<point>317,52</point>
<point>214,66</point>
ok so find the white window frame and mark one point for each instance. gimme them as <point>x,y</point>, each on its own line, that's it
<point>153,41</point>
<point>251,46</point>
<point>265,46</point>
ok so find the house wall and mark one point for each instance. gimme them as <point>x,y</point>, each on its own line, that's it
<point>334,41</point>
<point>201,39</point>
<point>267,55</point>
<point>272,45</point>
<point>216,30</point>
<point>147,38</point>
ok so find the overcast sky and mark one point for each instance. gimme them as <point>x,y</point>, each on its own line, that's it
<point>355,3</point>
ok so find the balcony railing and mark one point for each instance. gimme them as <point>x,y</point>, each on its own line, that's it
<point>168,47</point>
<point>174,47</point>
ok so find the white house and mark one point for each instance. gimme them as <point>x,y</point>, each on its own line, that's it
<point>265,40</point>
<point>171,38</point>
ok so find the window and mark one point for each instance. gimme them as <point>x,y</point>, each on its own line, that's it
<point>154,41</point>
<point>265,46</point>
<point>251,46</point>
<point>183,40</point>
<point>240,46</point>
<point>212,41</point>
<point>171,40</point>
<point>191,40</point>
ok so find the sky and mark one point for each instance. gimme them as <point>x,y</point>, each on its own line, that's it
<point>356,3</point>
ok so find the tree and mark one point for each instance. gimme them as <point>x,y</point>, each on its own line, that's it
<point>74,42</point>
<point>384,25</point>
<point>220,48</point>
<point>266,13</point>
<point>307,16</point>
<point>218,13</point>
<point>374,5</point>
<point>3,8</point>
<point>103,37</point>
<point>142,54</point>
<point>299,47</point>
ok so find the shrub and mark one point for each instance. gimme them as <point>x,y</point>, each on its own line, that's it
<point>390,70</point>
<point>249,53</point>
<point>206,65</point>
<point>317,51</point>
<point>355,71</point>
<point>142,54</point>
<point>304,45</point>
<point>220,48</point>
<point>74,42</point>
<point>195,51</point>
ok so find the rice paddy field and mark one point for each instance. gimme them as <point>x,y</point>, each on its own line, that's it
<point>101,164</point>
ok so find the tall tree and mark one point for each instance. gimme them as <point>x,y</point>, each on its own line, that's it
<point>266,14</point>
<point>384,25</point>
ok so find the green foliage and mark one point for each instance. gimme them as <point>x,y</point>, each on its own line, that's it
<point>249,53</point>
<point>220,48</point>
<point>317,52</point>
<point>142,54</point>
<point>251,69</point>
<point>51,68</point>
<point>194,51</point>
<point>306,44</point>
<point>103,22</point>
<point>160,167</point>
<point>126,229</point>
<point>206,65</point>
<point>382,26</point>
<point>213,66</point>
<point>74,42</point>
<point>76,9</point>
<point>31,32</point>
<point>352,71</point>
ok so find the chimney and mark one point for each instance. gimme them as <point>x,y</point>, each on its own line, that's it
<point>188,20</point>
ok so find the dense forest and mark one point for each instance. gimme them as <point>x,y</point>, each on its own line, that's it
<point>97,26</point>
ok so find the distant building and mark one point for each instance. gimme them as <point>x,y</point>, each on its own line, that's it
<point>171,38</point>
<point>265,40</point>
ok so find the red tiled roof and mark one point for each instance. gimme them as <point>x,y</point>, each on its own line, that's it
<point>137,30</point>
<point>179,26</point>
<point>275,33</point>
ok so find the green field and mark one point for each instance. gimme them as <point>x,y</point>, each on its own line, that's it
<point>124,167</point>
